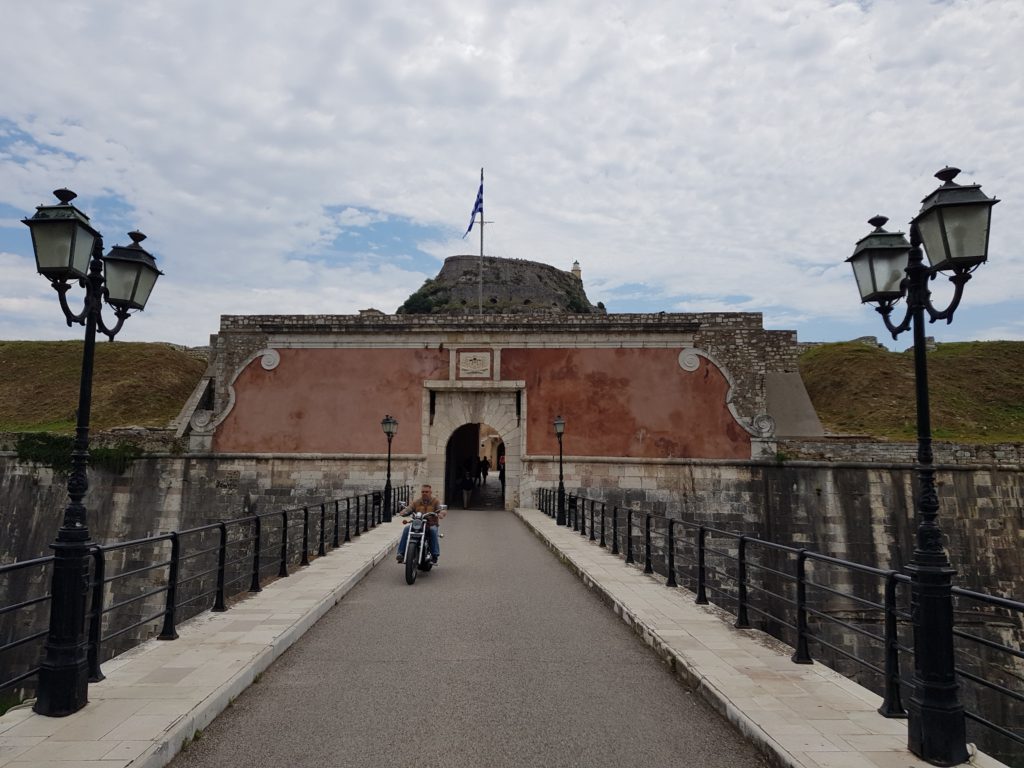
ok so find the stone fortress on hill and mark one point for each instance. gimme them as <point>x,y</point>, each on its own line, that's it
<point>631,387</point>
<point>501,286</point>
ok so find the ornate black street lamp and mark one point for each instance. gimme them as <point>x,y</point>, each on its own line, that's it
<point>953,226</point>
<point>68,249</point>
<point>390,427</point>
<point>559,429</point>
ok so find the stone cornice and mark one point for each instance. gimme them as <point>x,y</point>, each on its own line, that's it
<point>661,322</point>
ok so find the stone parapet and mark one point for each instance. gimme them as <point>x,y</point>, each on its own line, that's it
<point>881,452</point>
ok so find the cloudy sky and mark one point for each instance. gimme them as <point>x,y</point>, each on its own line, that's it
<point>323,157</point>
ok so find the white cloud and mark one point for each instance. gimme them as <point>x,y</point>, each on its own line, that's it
<point>705,150</point>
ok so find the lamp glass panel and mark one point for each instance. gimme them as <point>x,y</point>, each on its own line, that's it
<point>967,232</point>
<point>862,272</point>
<point>889,267</point>
<point>147,279</point>
<point>52,242</point>
<point>930,226</point>
<point>121,278</point>
<point>84,240</point>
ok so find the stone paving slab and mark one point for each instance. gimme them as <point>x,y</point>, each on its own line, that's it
<point>156,696</point>
<point>805,716</point>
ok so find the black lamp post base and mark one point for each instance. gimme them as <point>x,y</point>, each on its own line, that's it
<point>62,690</point>
<point>935,734</point>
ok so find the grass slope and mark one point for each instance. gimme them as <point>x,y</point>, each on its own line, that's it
<point>976,390</point>
<point>134,384</point>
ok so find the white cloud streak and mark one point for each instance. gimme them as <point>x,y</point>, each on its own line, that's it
<point>703,150</point>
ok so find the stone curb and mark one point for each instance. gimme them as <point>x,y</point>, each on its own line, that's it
<point>182,731</point>
<point>678,666</point>
<point>693,678</point>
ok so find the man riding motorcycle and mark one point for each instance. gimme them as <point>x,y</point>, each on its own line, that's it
<point>424,504</point>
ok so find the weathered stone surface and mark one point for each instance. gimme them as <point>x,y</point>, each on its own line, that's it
<point>509,286</point>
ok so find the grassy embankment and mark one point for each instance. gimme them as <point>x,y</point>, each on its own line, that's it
<point>976,390</point>
<point>134,384</point>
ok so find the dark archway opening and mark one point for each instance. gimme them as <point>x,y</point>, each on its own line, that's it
<point>460,456</point>
<point>467,446</point>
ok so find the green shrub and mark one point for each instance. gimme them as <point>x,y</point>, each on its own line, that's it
<point>54,451</point>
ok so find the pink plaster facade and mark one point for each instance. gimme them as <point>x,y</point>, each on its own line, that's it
<point>330,401</point>
<point>617,402</point>
<point>636,403</point>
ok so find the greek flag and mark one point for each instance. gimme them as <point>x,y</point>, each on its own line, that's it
<point>478,207</point>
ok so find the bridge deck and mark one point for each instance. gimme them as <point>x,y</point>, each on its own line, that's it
<point>530,669</point>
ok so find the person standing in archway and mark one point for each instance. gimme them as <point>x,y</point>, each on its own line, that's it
<point>501,474</point>
<point>467,483</point>
<point>485,466</point>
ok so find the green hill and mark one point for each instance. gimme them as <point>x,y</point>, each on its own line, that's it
<point>134,384</point>
<point>976,390</point>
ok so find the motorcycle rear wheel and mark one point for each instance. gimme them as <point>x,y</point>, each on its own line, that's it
<point>412,557</point>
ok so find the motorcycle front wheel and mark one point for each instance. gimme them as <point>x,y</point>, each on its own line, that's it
<point>412,558</point>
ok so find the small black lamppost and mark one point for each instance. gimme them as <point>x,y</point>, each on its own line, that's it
<point>68,249</point>
<point>559,429</point>
<point>390,427</point>
<point>953,226</point>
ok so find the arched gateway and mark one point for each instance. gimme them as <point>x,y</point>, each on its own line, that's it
<point>298,400</point>
<point>632,389</point>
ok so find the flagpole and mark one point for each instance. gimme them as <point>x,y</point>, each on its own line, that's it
<point>480,276</point>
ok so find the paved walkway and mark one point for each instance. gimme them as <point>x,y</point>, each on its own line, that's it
<point>499,658</point>
<point>162,694</point>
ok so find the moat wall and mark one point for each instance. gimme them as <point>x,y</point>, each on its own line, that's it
<point>841,506</point>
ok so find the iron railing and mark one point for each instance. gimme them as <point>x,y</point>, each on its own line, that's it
<point>164,579</point>
<point>855,618</point>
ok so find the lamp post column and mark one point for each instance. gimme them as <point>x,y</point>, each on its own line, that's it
<point>387,486</point>
<point>936,727</point>
<point>64,673</point>
<point>560,520</point>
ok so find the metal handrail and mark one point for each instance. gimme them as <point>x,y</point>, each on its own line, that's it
<point>275,554</point>
<point>735,568</point>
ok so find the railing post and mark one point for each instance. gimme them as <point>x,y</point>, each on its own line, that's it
<point>802,654</point>
<point>335,541</point>
<point>378,508</point>
<point>283,570</point>
<point>168,632</point>
<point>572,512</point>
<point>615,529</point>
<point>742,622</point>
<point>366,513</point>
<point>892,704</point>
<point>602,541</point>
<point>592,503</point>
<point>648,566</point>
<point>222,560</point>
<point>255,585</point>
<point>348,515</point>
<point>629,536</point>
<point>99,575</point>
<point>322,550</point>
<point>670,557</point>
<point>305,537</point>
<point>702,571</point>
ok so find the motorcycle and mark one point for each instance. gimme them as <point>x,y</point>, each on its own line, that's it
<point>417,548</point>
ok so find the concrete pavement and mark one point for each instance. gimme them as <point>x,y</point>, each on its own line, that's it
<point>525,673</point>
<point>499,657</point>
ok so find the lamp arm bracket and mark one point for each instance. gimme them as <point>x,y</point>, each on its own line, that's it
<point>62,287</point>
<point>110,333</point>
<point>885,309</point>
<point>959,278</point>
